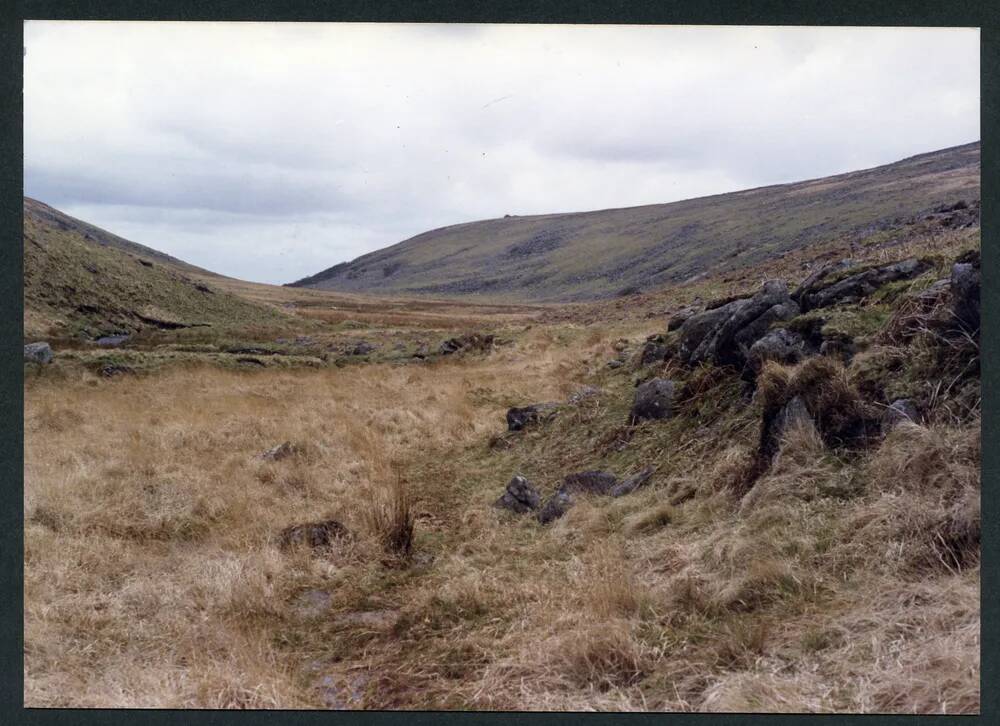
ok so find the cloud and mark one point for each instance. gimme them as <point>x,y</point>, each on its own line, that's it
<point>271,151</point>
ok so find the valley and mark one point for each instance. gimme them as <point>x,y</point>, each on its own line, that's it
<point>750,484</point>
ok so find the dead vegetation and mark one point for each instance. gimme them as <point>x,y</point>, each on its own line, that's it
<point>845,579</point>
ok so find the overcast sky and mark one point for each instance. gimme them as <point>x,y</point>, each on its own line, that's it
<point>271,151</point>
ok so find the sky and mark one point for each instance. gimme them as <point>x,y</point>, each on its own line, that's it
<point>271,151</point>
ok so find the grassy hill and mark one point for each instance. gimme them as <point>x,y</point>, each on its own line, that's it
<point>81,281</point>
<point>593,255</point>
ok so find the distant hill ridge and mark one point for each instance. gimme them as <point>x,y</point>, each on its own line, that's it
<point>598,254</point>
<point>82,282</point>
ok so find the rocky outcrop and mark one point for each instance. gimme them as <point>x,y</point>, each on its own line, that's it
<point>653,401</point>
<point>519,497</point>
<point>38,353</point>
<point>781,345</point>
<point>520,417</point>
<point>823,274</point>
<point>723,335</point>
<point>681,316</point>
<point>828,290</point>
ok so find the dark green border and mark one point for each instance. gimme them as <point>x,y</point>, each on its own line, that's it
<point>966,13</point>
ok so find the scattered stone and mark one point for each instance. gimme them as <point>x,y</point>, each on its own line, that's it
<point>277,453</point>
<point>899,411</point>
<point>520,496</point>
<point>653,400</point>
<point>681,316</point>
<point>205,288</point>
<point>589,482</point>
<point>615,363</point>
<point>111,341</point>
<point>519,418</point>
<point>619,345</point>
<point>632,483</point>
<point>110,370</point>
<point>965,284</point>
<point>469,342</point>
<point>317,535</point>
<point>860,285</point>
<point>38,353</point>
<point>558,504</point>
<point>303,340</point>
<point>780,344</point>
<point>362,347</point>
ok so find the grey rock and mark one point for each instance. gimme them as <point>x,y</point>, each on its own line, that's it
<point>842,347</point>
<point>965,284</point>
<point>900,410</point>
<point>723,335</point>
<point>615,363</point>
<point>469,342</point>
<point>521,417</point>
<point>780,344</point>
<point>859,286</point>
<point>632,483</point>
<point>362,347</point>
<point>793,414</point>
<point>653,400</point>
<point>111,341</point>
<point>520,496</point>
<point>557,505</point>
<point>589,482</point>
<point>653,351</point>
<point>38,353</point>
<point>815,279</point>
<point>681,316</point>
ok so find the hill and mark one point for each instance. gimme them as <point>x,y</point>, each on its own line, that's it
<point>594,255</point>
<point>81,281</point>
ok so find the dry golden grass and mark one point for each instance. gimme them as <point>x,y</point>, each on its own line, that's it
<point>839,583</point>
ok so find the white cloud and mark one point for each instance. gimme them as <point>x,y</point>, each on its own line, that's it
<point>271,151</point>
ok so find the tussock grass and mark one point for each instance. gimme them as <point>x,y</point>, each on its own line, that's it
<point>845,580</point>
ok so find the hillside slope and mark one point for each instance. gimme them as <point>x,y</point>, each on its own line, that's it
<point>592,255</point>
<point>83,282</point>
